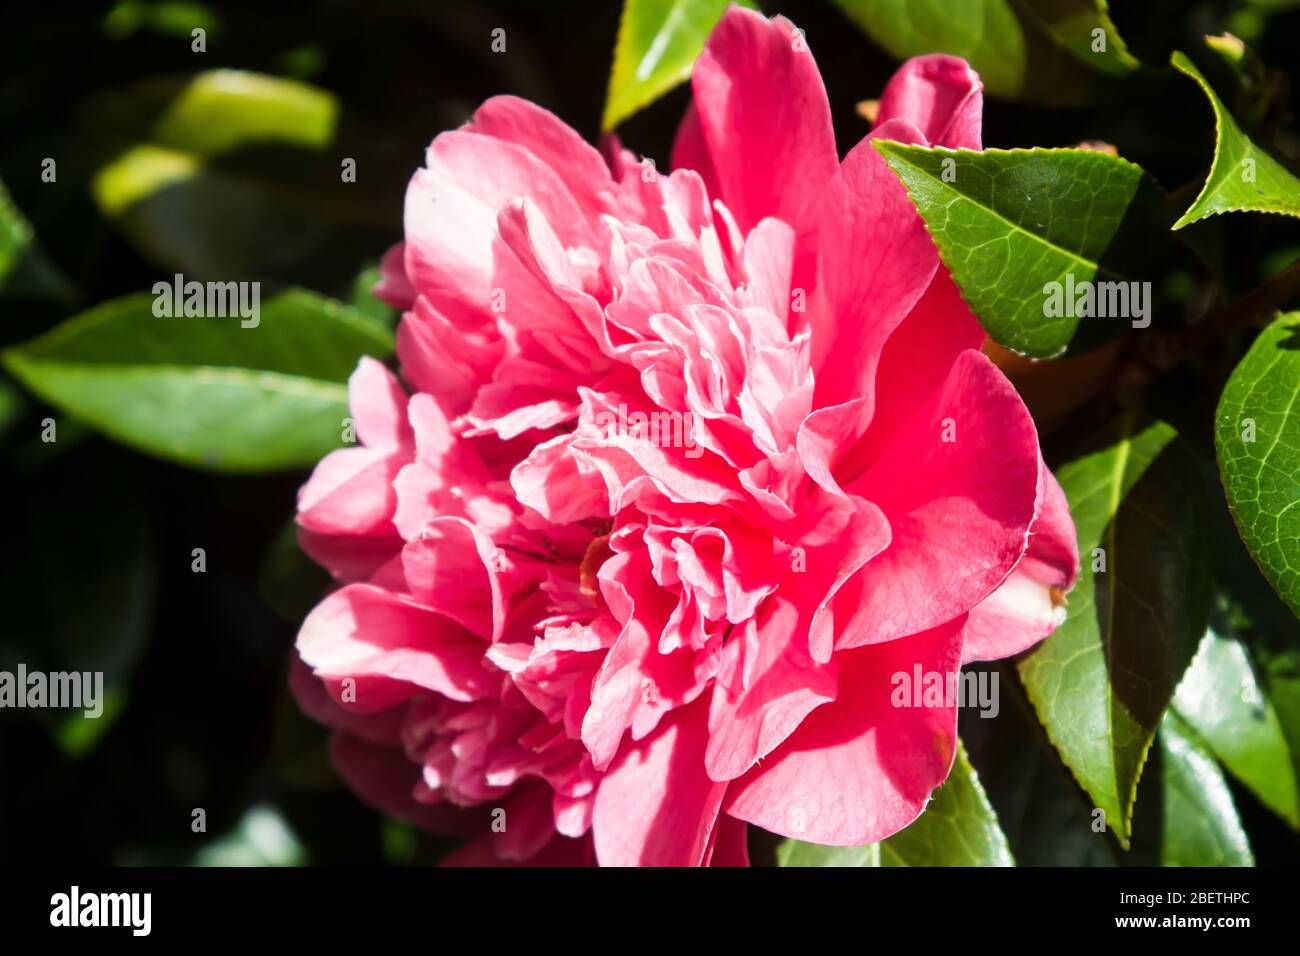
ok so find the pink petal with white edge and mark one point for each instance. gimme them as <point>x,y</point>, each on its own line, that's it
<point>859,769</point>
<point>940,95</point>
<point>1030,604</point>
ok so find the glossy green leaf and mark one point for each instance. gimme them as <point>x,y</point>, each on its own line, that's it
<point>1257,436</point>
<point>207,391</point>
<point>1101,683</point>
<point>1186,815</point>
<point>1243,177</point>
<point>957,828</point>
<point>1025,232</point>
<point>1252,611</point>
<point>1278,666</point>
<point>1047,819</point>
<point>1042,51</point>
<point>658,41</point>
<point>1222,700</point>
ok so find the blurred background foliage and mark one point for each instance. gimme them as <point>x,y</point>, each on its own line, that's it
<point>225,164</point>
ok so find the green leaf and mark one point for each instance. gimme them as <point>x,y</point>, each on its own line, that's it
<point>222,110</point>
<point>1221,699</point>
<point>217,112</point>
<point>1186,816</point>
<point>15,235</point>
<point>176,18</point>
<point>795,853</point>
<point>365,301</point>
<point>1243,178</point>
<point>1257,436</point>
<point>1009,223</point>
<point>207,392</point>
<point>24,270</point>
<point>1101,683</point>
<point>242,175</point>
<point>957,828</point>
<point>1041,51</point>
<point>77,735</point>
<point>658,41</point>
<point>1278,660</point>
<point>1047,819</point>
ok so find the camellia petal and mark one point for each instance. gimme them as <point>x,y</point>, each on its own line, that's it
<point>862,767</point>
<point>764,116</point>
<point>941,95</point>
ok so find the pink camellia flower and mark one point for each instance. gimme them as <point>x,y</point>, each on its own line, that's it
<point>683,472</point>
